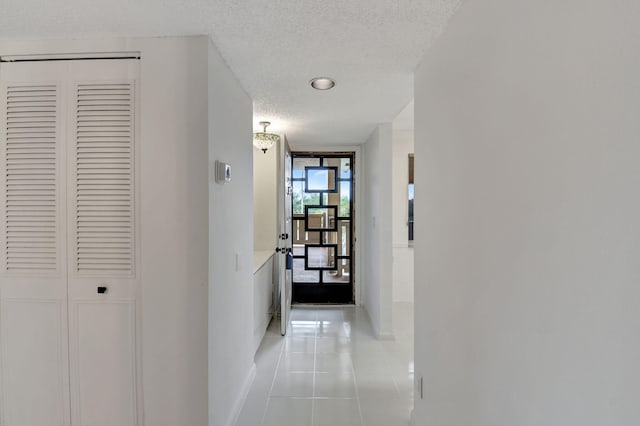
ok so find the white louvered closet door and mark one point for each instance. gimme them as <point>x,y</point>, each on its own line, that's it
<point>69,295</point>
<point>33,279</point>
<point>102,233</point>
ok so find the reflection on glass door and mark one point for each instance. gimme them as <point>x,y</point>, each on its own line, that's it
<point>323,228</point>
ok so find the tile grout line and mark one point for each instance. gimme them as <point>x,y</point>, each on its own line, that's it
<point>315,356</point>
<point>355,385</point>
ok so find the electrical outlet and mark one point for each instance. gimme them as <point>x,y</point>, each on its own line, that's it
<point>418,387</point>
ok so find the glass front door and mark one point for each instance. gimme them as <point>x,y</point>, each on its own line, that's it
<point>322,204</point>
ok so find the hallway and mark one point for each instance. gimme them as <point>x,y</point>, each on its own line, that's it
<point>330,370</point>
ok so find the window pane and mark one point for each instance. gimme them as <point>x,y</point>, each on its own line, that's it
<point>321,218</point>
<point>321,257</point>
<point>301,198</point>
<point>341,238</point>
<point>411,168</point>
<point>320,179</point>
<point>331,199</point>
<point>301,236</point>
<point>345,199</point>
<point>300,275</point>
<point>410,221</point>
<point>340,275</point>
<point>297,197</point>
<point>343,165</point>
<point>300,163</point>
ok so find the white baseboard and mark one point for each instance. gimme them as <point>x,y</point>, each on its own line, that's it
<point>380,335</point>
<point>244,391</point>
<point>402,245</point>
<point>385,335</point>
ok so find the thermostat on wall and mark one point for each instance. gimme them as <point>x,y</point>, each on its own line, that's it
<point>223,172</point>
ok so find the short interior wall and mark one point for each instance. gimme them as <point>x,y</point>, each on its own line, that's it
<point>231,321</point>
<point>263,279</point>
<point>377,230</point>
<point>174,219</point>
<point>265,232</point>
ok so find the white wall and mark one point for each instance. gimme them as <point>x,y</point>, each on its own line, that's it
<point>265,199</point>
<point>377,234</point>
<point>265,238</point>
<point>174,224</point>
<point>265,232</point>
<point>174,221</point>
<point>231,366</point>
<point>402,254</point>
<point>527,235</point>
<point>263,299</point>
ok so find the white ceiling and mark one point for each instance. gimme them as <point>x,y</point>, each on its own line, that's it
<point>370,47</point>
<point>404,120</point>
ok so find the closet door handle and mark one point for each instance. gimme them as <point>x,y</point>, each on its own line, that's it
<point>102,289</point>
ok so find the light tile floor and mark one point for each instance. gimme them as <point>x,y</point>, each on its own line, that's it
<point>331,370</point>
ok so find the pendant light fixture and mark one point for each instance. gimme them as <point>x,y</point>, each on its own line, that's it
<point>263,140</point>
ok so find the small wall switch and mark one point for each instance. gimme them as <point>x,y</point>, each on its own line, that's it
<point>223,172</point>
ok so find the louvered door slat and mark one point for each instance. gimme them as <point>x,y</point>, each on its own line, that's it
<point>104,190</point>
<point>30,155</point>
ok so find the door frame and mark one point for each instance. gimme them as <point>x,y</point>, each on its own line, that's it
<point>284,286</point>
<point>357,202</point>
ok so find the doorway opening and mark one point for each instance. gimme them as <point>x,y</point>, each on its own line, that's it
<point>323,227</point>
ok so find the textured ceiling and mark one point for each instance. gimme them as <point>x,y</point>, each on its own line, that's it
<point>404,120</point>
<point>370,47</point>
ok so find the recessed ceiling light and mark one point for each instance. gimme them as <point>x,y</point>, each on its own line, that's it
<point>322,83</point>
